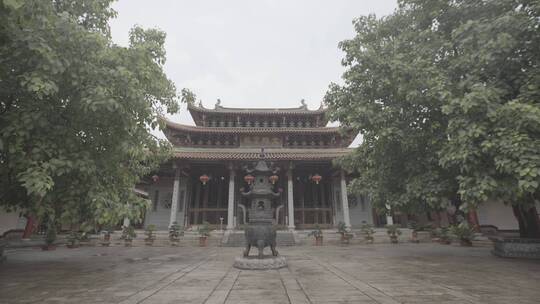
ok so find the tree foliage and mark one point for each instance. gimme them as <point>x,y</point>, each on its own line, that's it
<point>446,94</point>
<point>76,110</point>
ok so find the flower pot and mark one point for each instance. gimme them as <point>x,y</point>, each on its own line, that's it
<point>149,242</point>
<point>48,247</point>
<point>105,244</point>
<point>203,241</point>
<point>174,243</point>
<point>445,241</point>
<point>127,243</point>
<point>318,241</point>
<point>466,243</point>
<point>346,238</point>
<point>369,239</point>
<point>71,246</point>
<point>393,239</point>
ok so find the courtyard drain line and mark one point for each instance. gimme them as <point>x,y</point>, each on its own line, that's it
<point>193,266</point>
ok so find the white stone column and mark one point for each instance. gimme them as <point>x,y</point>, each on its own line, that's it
<point>290,202</point>
<point>230,209</point>
<point>389,217</point>
<point>344,200</point>
<point>176,192</point>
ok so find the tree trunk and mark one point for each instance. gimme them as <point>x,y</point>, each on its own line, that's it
<point>30,227</point>
<point>529,223</point>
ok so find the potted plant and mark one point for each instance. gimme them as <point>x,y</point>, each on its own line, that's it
<point>204,233</point>
<point>420,233</point>
<point>106,237</point>
<point>150,237</point>
<point>175,231</point>
<point>84,234</point>
<point>50,237</point>
<point>442,235</point>
<point>318,235</point>
<point>368,232</point>
<point>464,233</point>
<point>128,234</point>
<point>346,235</point>
<point>393,232</point>
<point>73,239</point>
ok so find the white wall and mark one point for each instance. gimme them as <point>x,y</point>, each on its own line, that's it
<point>498,215</point>
<point>360,210</point>
<point>10,220</point>
<point>161,216</point>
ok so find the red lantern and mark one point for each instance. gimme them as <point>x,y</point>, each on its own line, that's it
<point>273,179</point>
<point>204,179</point>
<point>155,178</point>
<point>316,178</point>
<point>249,179</point>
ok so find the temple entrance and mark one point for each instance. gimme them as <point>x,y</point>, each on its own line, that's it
<point>313,200</point>
<point>208,201</point>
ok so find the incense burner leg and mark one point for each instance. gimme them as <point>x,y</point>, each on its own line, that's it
<point>246,251</point>
<point>274,251</point>
<point>260,246</point>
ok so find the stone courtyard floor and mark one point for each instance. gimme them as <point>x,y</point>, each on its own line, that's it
<point>379,273</point>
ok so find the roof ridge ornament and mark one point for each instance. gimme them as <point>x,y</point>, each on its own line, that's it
<point>218,104</point>
<point>304,105</point>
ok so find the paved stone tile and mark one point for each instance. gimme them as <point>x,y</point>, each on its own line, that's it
<point>406,273</point>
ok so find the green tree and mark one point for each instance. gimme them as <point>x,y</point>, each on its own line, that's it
<point>391,95</point>
<point>447,92</point>
<point>76,110</point>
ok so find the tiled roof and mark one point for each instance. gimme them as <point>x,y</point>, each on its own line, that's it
<point>302,110</point>
<point>251,130</point>
<point>254,154</point>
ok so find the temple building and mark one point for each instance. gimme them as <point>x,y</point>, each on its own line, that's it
<point>203,181</point>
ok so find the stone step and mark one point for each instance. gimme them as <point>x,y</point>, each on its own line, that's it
<point>238,239</point>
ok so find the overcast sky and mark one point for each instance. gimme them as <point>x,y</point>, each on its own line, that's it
<point>250,53</point>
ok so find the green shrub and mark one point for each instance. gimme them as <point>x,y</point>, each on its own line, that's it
<point>463,232</point>
<point>204,229</point>
<point>367,230</point>
<point>442,233</point>
<point>393,230</point>
<point>73,238</point>
<point>342,228</point>
<point>150,232</point>
<point>317,232</point>
<point>175,231</point>
<point>128,233</point>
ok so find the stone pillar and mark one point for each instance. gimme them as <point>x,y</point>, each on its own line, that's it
<point>230,209</point>
<point>345,201</point>
<point>176,192</point>
<point>290,202</point>
<point>389,217</point>
<point>126,222</point>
